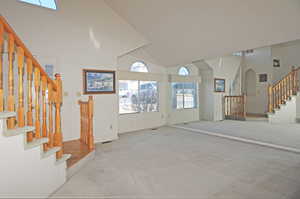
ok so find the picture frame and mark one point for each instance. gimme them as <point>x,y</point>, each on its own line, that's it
<point>263,77</point>
<point>99,81</point>
<point>219,85</point>
<point>276,63</point>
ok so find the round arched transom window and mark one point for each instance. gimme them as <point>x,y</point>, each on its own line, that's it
<point>183,71</point>
<point>139,67</point>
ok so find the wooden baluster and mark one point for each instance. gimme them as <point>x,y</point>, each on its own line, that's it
<point>281,92</point>
<point>284,89</point>
<point>240,107</point>
<point>50,105</point>
<point>296,81</point>
<point>1,67</point>
<point>288,86</point>
<point>80,107</point>
<point>91,123</point>
<point>244,105</point>
<point>37,82</point>
<point>58,102</point>
<point>294,91</point>
<point>270,97</point>
<point>226,106</point>
<point>44,111</point>
<point>277,95</point>
<point>11,98</point>
<point>29,98</point>
<point>85,123</point>
<point>21,121</point>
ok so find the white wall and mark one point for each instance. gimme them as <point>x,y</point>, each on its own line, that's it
<point>78,35</point>
<point>138,121</point>
<point>260,62</point>
<point>288,54</point>
<point>24,173</point>
<point>225,68</point>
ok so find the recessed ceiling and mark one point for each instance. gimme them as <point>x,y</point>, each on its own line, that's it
<point>182,31</point>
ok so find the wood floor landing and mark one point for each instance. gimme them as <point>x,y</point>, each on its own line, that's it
<point>77,149</point>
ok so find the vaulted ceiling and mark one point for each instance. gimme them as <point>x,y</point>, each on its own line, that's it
<point>182,31</point>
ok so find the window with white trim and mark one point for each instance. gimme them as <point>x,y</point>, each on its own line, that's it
<point>184,95</point>
<point>42,3</point>
<point>139,66</point>
<point>137,96</point>
<point>183,71</point>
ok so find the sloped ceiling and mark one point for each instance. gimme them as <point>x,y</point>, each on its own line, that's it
<point>182,31</point>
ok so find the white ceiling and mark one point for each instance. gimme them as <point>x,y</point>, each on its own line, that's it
<point>182,31</point>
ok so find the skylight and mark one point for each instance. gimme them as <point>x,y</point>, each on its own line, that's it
<point>43,3</point>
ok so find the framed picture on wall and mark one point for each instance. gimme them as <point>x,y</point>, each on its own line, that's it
<point>276,63</point>
<point>219,85</point>
<point>99,81</point>
<point>263,77</point>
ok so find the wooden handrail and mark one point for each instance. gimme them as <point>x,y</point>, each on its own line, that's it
<point>235,107</point>
<point>86,122</point>
<point>27,53</point>
<point>40,92</point>
<point>283,89</point>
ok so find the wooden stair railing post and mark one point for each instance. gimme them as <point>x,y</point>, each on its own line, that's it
<point>58,101</point>
<point>37,82</point>
<point>29,98</point>
<point>244,105</point>
<point>289,85</point>
<point>11,97</point>
<point>81,129</point>
<point>44,111</point>
<point>90,119</point>
<point>50,108</point>
<point>285,89</point>
<point>294,91</point>
<point>21,121</point>
<point>296,81</point>
<point>1,67</point>
<point>270,94</point>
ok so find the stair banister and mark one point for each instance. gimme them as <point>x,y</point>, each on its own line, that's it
<point>283,90</point>
<point>38,84</point>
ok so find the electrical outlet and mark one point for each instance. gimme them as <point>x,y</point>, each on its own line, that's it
<point>66,94</point>
<point>78,94</point>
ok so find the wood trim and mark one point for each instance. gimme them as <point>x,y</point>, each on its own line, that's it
<point>215,85</point>
<point>85,92</point>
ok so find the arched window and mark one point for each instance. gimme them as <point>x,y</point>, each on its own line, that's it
<point>183,71</point>
<point>139,67</point>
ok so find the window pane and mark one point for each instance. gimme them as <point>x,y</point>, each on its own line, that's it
<point>183,71</point>
<point>190,95</point>
<point>34,2</point>
<point>139,67</point>
<point>148,96</point>
<point>177,95</point>
<point>48,4</point>
<point>128,96</point>
<point>43,3</point>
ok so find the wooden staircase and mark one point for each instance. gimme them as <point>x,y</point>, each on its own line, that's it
<point>30,106</point>
<point>283,90</point>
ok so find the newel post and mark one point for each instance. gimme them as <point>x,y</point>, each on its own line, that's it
<point>91,144</point>
<point>58,102</point>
